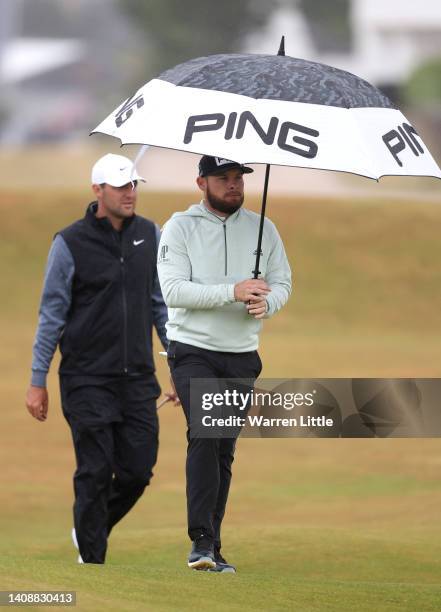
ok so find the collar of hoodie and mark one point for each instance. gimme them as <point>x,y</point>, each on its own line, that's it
<point>217,218</point>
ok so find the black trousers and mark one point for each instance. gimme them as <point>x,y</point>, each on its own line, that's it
<point>114,427</point>
<point>209,460</point>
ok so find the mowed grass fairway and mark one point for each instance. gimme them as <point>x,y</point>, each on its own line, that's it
<point>312,525</point>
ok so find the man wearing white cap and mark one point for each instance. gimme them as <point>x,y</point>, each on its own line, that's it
<point>101,297</point>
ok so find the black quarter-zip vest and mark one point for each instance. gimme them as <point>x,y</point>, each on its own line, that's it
<point>109,325</point>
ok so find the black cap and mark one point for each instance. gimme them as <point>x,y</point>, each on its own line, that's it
<point>217,165</point>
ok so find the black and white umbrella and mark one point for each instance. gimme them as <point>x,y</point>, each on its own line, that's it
<point>273,110</point>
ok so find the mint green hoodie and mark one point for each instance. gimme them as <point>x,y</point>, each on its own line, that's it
<point>200,259</point>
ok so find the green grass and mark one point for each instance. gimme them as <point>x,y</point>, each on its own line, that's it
<point>313,524</point>
<point>316,547</point>
<point>291,580</point>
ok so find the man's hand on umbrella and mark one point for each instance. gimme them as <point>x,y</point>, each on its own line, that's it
<point>257,307</point>
<point>37,402</point>
<point>250,289</point>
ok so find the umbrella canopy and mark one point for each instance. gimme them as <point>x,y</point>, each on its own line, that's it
<point>273,110</point>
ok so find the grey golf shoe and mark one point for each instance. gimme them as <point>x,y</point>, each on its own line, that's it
<point>201,556</point>
<point>222,565</point>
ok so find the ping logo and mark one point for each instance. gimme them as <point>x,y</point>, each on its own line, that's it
<point>126,111</point>
<point>235,128</point>
<point>401,138</point>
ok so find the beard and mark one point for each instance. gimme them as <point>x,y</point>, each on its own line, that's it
<point>223,206</point>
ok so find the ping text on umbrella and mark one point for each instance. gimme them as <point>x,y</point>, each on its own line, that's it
<point>235,127</point>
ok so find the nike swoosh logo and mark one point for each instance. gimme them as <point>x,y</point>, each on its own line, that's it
<point>136,242</point>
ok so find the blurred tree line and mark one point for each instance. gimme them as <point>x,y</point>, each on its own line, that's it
<point>177,30</point>
<point>423,88</point>
<point>329,23</point>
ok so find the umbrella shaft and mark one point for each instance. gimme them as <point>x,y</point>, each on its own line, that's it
<point>256,270</point>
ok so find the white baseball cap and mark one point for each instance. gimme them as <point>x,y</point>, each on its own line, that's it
<point>115,170</point>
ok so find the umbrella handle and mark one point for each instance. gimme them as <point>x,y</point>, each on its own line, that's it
<point>256,270</point>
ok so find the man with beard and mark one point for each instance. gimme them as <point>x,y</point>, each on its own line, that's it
<point>205,267</point>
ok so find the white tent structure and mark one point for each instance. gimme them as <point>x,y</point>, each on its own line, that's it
<point>23,58</point>
<point>390,38</point>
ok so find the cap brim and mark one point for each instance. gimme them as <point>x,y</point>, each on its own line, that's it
<point>226,167</point>
<point>126,180</point>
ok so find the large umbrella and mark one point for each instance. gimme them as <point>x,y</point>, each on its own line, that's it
<point>273,110</point>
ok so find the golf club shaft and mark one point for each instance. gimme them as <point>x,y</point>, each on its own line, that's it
<point>164,401</point>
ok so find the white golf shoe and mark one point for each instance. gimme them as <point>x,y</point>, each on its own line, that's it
<point>75,542</point>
